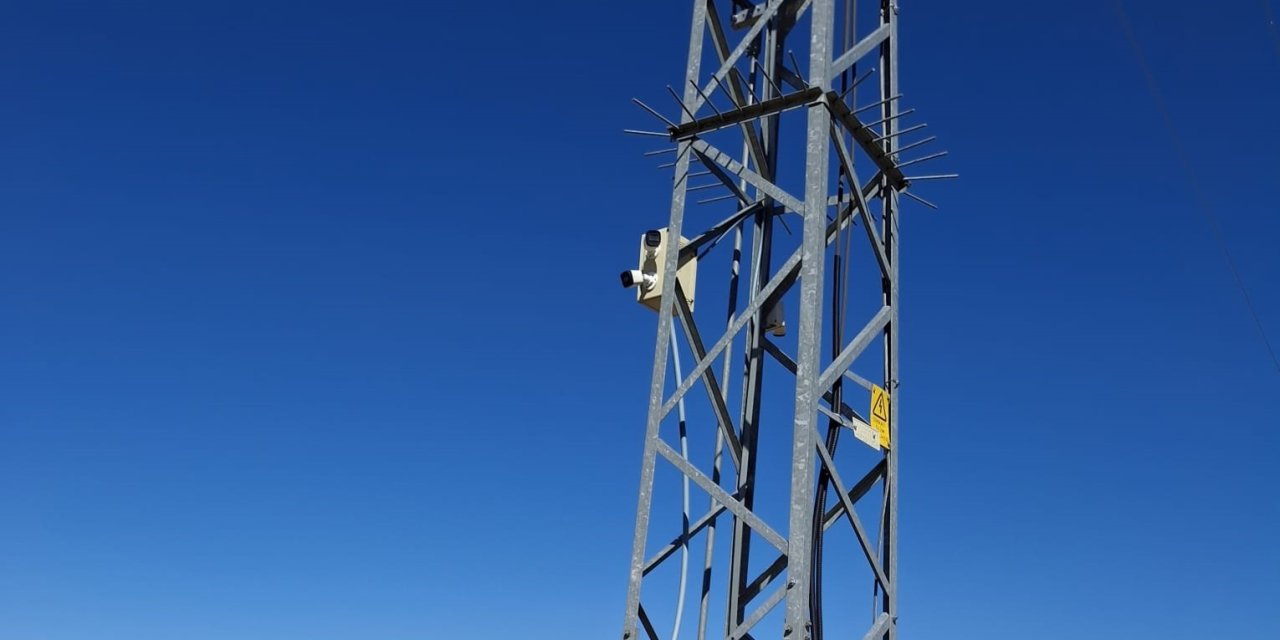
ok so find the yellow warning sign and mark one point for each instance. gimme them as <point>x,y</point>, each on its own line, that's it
<point>880,414</point>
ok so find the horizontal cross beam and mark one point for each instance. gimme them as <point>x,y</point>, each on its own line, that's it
<point>866,138</point>
<point>780,563</point>
<point>855,348</point>
<point>851,176</point>
<point>709,378</point>
<point>746,113</point>
<point>720,495</point>
<point>710,235</point>
<point>852,515</point>
<point>856,52</point>
<point>709,153</point>
<point>683,539</point>
<point>756,616</point>
<point>790,365</point>
<point>877,630</point>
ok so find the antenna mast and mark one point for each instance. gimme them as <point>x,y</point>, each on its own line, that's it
<point>762,538</point>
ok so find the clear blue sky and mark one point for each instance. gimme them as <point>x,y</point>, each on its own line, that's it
<point>310,325</point>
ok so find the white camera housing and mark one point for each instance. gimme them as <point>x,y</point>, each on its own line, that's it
<point>638,278</point>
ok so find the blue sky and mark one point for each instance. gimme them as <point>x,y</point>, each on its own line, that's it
<point>310,326</point>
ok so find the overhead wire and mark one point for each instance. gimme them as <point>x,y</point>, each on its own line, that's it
<point>1271,25</point>
<point>1206,209</point>
<point>839,305</point>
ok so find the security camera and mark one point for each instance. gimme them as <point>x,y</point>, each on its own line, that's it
<point>636,277</point>
<point>646,278</point>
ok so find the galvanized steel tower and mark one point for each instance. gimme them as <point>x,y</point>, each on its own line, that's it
<point>744,93</point>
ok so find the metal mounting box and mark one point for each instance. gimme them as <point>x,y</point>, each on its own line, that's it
<point>652,261</point>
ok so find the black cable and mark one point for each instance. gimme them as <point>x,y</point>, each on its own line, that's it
<point>1205,208</point>
<point>824,474</point>
<point>839,303</point>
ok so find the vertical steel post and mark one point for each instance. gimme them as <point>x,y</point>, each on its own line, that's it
<point>889,233</point>
<point>753,355</point>
<point>658,384</point>
<point>808,354</point>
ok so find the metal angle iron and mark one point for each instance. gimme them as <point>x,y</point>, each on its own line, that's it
<point>786,296</point>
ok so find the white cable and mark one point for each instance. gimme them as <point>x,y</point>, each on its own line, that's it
<point>684,531</point>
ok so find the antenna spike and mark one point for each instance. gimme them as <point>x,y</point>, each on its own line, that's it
<point>875,104</point>
<point>857,82</point>
<point>916,144</point>
<point>704,99</point>
<point>655,114</point>
<point>940,176</point>
<point>641,132</point>
<point>919,199</point>
<point>924,159</point>
<point>680,102</point>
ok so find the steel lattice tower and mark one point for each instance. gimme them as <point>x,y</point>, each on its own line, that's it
<point>850,125</point>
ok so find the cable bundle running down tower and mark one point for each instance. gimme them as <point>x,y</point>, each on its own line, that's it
<point>747,94</point>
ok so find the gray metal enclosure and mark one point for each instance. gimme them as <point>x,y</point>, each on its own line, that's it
<point>744,84</point>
